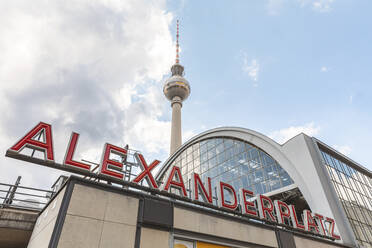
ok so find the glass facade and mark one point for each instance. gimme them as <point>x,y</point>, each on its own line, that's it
<point>232,161</point>
<point>354,190</point>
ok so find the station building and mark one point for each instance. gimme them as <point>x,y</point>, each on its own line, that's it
<point>85,213</point>
<point>96,211</point>
<point>303,171</point>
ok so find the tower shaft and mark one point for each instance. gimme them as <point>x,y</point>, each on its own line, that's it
<point>176,89</point>
<point>176,130</point>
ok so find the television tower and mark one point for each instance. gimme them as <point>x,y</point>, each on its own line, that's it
<point>176,89</point>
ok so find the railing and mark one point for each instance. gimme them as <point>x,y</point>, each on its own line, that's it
<point>21,197</point>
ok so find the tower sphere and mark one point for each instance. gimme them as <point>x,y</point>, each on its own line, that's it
<point>176,87</point>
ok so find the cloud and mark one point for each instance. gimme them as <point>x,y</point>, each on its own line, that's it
<point>324,69</point>
<point>351,98</point>
<point>282,135</point>
<point>252,68</point>
<point>322,5</point>
<point>188,135</point>
<point>95,67</point>
<point>344,149</point>
<point>275,7</point>
<point>318,5</point>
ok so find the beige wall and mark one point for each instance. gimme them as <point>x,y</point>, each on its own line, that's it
<point>98,219</point>
<point>308,243</point>
<point>45,223</point>
<point>206,224</point>
<point>151,238</point>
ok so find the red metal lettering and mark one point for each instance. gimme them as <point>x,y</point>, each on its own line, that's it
<point>177,184</point>
<point>282,211</point>
<point>295,222</point>
<point>29,141</point>
<point>70,153</point>
<point>331,228</point>
<point>146,171</point>
<point>262,209</point>
<point>222,201</point>
<point>309,221</point>
<point>198,185</point>
<point>319,219</point>
<point>246,204</point>
<point>106,161</point>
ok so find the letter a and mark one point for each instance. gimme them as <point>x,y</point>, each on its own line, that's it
<point>29,141</point>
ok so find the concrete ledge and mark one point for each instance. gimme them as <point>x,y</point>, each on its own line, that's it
<point>16,227</point>
<point>18,219</point>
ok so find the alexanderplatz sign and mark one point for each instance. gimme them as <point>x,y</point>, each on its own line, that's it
<point>262,208</point>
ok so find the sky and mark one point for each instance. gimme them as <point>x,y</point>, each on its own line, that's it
<point>97,67</point>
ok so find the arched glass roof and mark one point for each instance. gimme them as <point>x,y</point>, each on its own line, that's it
<point>231,161</point>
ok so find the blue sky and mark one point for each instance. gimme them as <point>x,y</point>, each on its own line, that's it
<point>272,67</point>
<point>97,67</point>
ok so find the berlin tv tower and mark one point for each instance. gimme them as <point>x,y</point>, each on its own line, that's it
<point>176,89</point>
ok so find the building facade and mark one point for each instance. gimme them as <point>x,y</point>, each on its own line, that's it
<point>88,214</point>
<point>105,208</point>
<point>304,171</point>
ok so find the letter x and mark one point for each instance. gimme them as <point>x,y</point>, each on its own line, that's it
<point>146,171</point>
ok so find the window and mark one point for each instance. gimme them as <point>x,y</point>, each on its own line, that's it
<point>179,243</point>
<point>354,195</point>
<point>234,162</point>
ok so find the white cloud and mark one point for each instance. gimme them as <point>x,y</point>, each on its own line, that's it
<point>318,5</point>
<point>344,149</point>
<point>324,69</point>
<point>275,7</point>
<point>94,67</point>
<point>252,68</point>
<point>188,135</point>
<point>351,98</point>
<point>282,135</point>
<point>322,5</point>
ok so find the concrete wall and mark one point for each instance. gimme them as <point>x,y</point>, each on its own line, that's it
<point>45,223</point>
<point>308,243</point>
<point>97,218</point>
<point>151,238</point>
<point>207,224</point>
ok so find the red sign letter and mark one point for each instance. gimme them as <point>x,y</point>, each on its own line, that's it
<point>197,185</point>
<point>263,209</point>
<point>331,228</point>
<point>319,219</point>
<point>282,211</point>
<point>29,140</point>
<point>176,184</point>
<point>295,222</point>
<point>221,199</point>
<point>106,163</point>
<point>146,171</point>
<point>309,221</point>
<point>70,153</point>
<point>247,204</point>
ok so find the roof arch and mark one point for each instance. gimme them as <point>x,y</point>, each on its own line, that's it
<point>257,139</point>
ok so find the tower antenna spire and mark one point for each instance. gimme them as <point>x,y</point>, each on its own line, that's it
<point>177,45</point>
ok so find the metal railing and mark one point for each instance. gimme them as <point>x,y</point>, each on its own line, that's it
<point>21,197</point>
